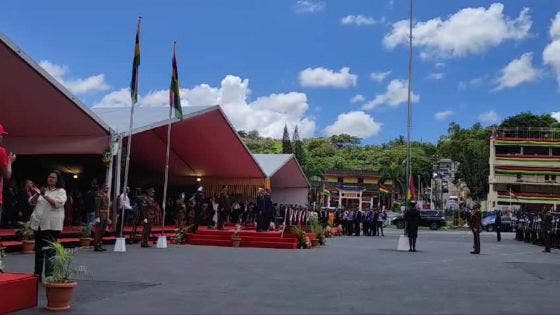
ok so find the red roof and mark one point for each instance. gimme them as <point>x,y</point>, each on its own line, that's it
<point>40,115</point>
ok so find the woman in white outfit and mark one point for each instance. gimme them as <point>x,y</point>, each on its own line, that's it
<point>47,218</point>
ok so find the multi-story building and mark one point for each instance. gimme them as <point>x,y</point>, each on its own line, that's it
<point>357,189</point>
<point>524,169</point>
<point>443,191</point>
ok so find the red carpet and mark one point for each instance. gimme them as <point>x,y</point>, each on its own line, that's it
<point>18,291</point>
<point>249,238</point>
<point>70,237</point>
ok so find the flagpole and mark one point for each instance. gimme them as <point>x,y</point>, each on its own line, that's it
<point>163,242</point>
<point>129,142</point>
<point>409,108</point>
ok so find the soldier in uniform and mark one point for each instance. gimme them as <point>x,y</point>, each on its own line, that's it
<point>475,228</point>
<point>224,206</point>
<point>150,208</point>
<point>260,208</point>
<point>547,231</point>
<point>101,217</point>
<point>498,224</point>
<point>137,204</point>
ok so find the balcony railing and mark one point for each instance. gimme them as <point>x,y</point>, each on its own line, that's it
<point>527,133</point>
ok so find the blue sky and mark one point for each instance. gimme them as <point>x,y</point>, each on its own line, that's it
<point>327,66</point>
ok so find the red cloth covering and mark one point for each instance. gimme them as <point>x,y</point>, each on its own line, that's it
<point>18,291</point>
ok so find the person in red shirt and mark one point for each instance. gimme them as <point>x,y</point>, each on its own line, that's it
<point>6,161</point>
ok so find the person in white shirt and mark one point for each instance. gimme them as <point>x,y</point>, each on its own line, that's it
<point>47,219</point>
<point>124,203</point>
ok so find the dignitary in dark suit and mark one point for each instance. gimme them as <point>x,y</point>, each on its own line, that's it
<point>412,218</point>
<point>224,207</point>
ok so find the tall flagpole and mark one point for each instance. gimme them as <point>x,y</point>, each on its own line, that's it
<point>162,241</point>
<point>409,111</point>
<point>134,99</point>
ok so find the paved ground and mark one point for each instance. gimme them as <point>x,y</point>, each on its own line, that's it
<point>349,275</point>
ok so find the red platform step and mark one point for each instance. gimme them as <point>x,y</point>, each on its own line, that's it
<point>18,291</point>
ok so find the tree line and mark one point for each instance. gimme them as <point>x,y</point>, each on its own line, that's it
<point>470,146</point>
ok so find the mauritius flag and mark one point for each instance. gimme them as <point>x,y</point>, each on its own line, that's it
<point>411,195</point>
<point>135,65</point>
<point>326,192</point>
<point>383,189</point>
<point>174,97</point>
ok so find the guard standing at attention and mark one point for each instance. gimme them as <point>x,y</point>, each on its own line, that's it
<point>150,208</point>
<point>475,228</point>
<point>547,231</point>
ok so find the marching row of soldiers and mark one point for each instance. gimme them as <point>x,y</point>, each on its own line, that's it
<point>540,229</point>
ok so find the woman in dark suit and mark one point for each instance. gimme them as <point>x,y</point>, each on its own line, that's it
<point>412,218</point>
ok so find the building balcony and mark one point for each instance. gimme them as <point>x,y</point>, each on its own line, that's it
<point>547,134</point>
<point>527,160</point>
<point>534,180</point>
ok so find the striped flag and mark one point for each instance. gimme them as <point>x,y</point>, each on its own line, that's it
<point>135,65</point>
<point>383,189</point>
<point>411,195</point>
<point>174,97</point>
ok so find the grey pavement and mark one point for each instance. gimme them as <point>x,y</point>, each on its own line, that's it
<point>350,275</point>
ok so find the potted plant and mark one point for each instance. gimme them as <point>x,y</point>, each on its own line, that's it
<point>58,286</point>
<point>235,238</point>
<point>180,235</point>
<point>26,235</point>
<point>301,237</point>
<point>85,235</point>
<point>317,229</point>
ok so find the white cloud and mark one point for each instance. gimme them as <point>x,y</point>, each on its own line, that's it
<point>358,20</point>
<point>518,71</point>
<point>551,53</point>
<point>357,98</point>
<point>475,82</point>
<point>76,86</point>
<point>443,115</point>
<point>469,31</point>
<point>489,117</point>
<point>379,76</point>
<point>267,114</point>
<point>440,65</point>
<point>436,76</point>
<point>358,124</point>
<point>322,77</point>
<point>555,115</point>
<point>396,94</point>
<point>308,6</point>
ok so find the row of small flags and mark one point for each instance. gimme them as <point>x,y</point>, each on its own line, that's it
<point>384,190</point>
<point>174,96</point>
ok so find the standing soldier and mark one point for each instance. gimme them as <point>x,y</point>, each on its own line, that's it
<point>101,217</point>
<point>412,218</point>
<point>475,228</point>
<point>137,205</point>
<point>547,231</point>
<point>223,207</point>
<point>260,205</point>
<point>150,208</point>
<point>498,224</point>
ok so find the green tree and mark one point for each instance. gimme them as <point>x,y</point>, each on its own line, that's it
<point>298,147</point>
<point>286,143</point>
<point>528,119</point>
<point>344,140</point>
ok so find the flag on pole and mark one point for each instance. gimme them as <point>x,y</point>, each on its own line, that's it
<point>411,189</point>
<point>174,97</point>
<point>326,192</point>
<point>135,65</point>
<point>512,194</point>
<point>383,189</point>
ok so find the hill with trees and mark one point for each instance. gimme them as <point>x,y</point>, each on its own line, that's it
<point>468,146</point>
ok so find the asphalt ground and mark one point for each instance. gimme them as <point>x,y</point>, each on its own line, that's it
<point>350,275</point>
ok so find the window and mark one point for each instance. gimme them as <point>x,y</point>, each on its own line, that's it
<point>340,180</point>
<point>553,178</point>
<point>546,177</point>
<point>519,177</point>
<point>360,180</point>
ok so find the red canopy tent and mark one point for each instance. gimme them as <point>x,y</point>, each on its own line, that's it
<point>203,145</point>
<point>41,116</point>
